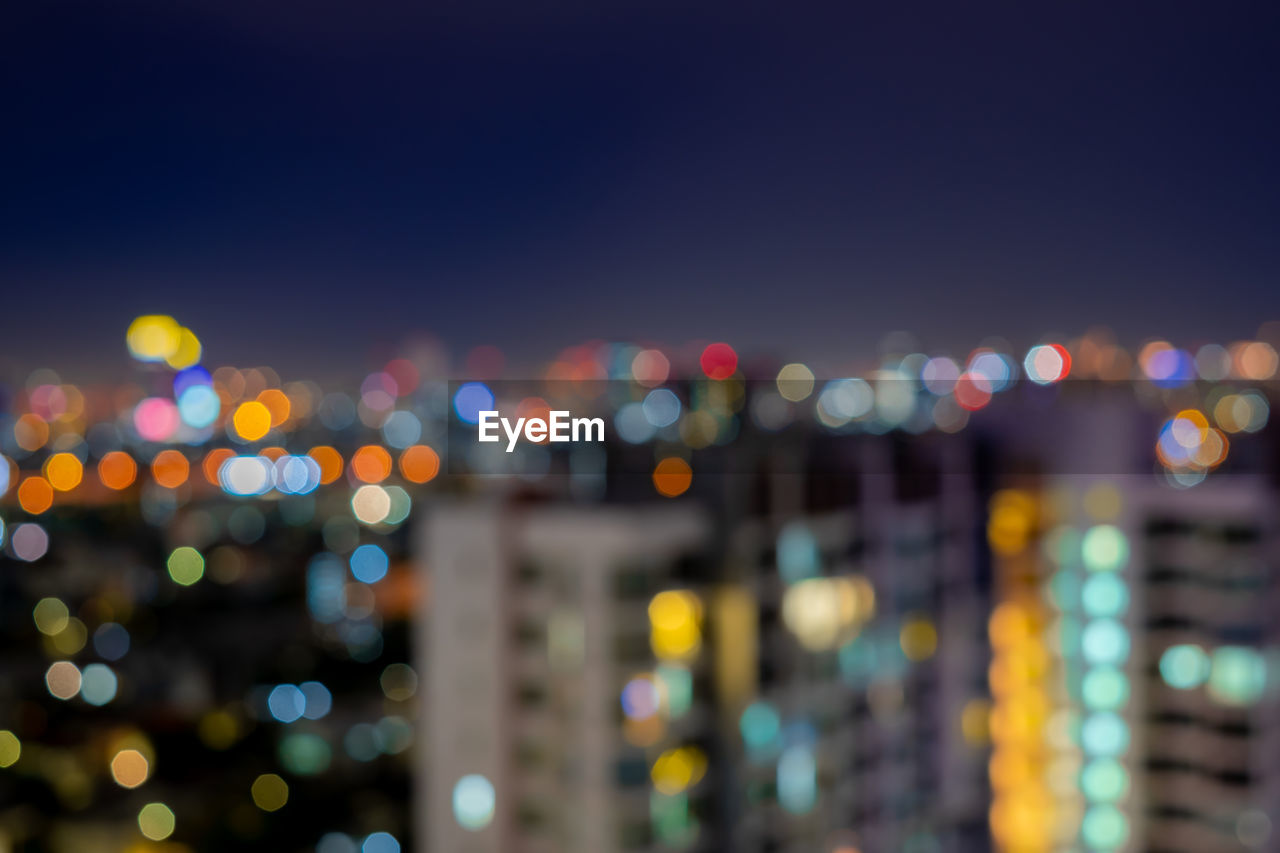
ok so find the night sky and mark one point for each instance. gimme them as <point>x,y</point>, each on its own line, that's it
<point>302,183</point>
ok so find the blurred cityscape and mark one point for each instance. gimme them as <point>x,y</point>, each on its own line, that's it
<point>1006,601</point>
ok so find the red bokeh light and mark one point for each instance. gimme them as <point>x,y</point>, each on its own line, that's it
<point>719,361</point>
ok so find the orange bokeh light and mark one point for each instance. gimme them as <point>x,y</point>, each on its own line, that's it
<point>117,470</point>
<point>419,464</point>
<point>130,768</point>
<point>30,432</point>
<point>213,462</point>
<point>371,464</point>
<point>330,462</point>
<point>35,495</point>
<point>277,403</point>
<point>170,469</point>
<point>672,477</point>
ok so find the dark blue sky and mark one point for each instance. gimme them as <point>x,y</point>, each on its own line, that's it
<point>300,182</point>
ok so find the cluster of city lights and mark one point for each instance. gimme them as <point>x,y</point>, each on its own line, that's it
<point>833,614</point>
<point>1105,648</point>
<point>130,432</point>
<point>1231,675</point>
<point>1060,729</point>
<point>1022,809</point>
<point>651,701</point>
<point>351,464</point>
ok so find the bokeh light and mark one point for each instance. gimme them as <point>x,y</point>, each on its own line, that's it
<point>98,684</point>
<point>330,462</point>
<point>675,618</point>
<point>130,768</point>
<point>672,477</point>
<point>1184,666</point>
<point>269,792</point>
<point>35,495</point>
<point>252,420</point>
<point>117,470</point>
<point>153,337</point>
<point>369,564</point>
<point>63,680</point>
<point>156,419</point>
<point>170,469</point>
<point>795,382</point>
<point>186,565</point>
<point>419,464</point>
<point>63,471</point>
<point>470,400</point>
<point>474,801</point>
<point>10,748</point>
<point>156,821</point>
<point>371,464</point>
<point>718,361</point>
<point>29,542</point>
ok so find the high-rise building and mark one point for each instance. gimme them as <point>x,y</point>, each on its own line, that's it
<point>869,580</point>
<point>565,707</point>
<point>1206,581</point>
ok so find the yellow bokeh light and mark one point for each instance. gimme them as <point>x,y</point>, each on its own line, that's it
<point>1012,521</point>
<point>251,420</point>
<point>153,337</point>
<point>218,730</point>
<point>63,471</point>
<point>51,616</point>
<point>269,792</point>
<point>1023,815</point>
<point>918,638</point>
<point>10,748</point>
<point>676,770</point>
<point>1103,502</point>
<point>823,613</point>
<point>675,617</point>
<point>795,382</point>
<point>812,613</point>
<point>71,639</point>
<point>186,353</point>
<point>1009,623</point>
<point>156,820</point>
<point>186,565</point>
<point>974,722</point>
<point>672,608</point>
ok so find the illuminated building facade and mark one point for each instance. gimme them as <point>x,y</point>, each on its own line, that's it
<point>1208,587</point>
<point>866,729</point>
<point>564,709</point>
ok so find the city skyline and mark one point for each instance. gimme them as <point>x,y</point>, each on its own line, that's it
<point>309,187</point>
